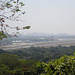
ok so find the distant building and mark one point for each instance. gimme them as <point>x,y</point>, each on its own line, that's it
<point>17,42</point>
<point>52,38</point>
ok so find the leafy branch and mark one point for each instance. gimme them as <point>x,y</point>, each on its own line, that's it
<point>13,7</point>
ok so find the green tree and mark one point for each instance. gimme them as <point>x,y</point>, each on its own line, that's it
<point>4,70</point>
<point>11,60</point>
<point>63,66</point>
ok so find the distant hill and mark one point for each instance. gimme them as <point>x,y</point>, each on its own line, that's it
<point>45,34</point>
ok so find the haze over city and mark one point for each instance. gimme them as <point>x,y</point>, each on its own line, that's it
<point>49,16</point>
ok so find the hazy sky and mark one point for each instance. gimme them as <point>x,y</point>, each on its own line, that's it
<point>50,16</point>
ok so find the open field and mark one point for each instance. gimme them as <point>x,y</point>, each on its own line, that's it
<point>62,42</point>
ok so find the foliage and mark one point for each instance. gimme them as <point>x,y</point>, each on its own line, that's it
<point>11,64</point>
<point>9,60</point>
<point>43,54</point>
<point>63,66</point>
<point>10,10</point>
<point>4,70</point>
<point>1,51</point>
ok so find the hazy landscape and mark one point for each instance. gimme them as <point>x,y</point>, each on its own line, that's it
<point>37,39</point>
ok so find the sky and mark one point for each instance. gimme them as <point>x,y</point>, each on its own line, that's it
<point>49,16</point>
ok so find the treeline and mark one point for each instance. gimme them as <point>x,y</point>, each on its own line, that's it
<point>11,64</point>
<point>44,54</point>
<point>38,61</point>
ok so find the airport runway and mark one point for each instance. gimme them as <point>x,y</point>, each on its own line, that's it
<point>62,42</point>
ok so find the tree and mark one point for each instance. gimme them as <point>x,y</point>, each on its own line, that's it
<point>63,66</point>
<point>10,10</point>
<point>10,60</point>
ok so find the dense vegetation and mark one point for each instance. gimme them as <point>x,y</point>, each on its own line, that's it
<point>63,66</point>
<point>38,61</point>
<point>44,54</point>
